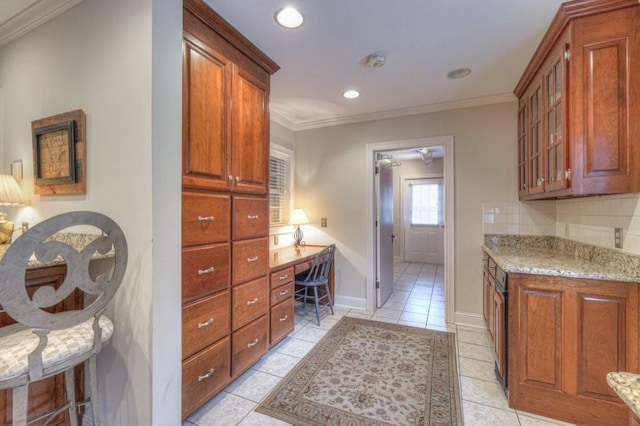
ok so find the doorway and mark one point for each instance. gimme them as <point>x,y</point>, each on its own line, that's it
<point>372,151</point>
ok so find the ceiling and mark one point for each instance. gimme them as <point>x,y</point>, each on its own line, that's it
<point>421,40</point>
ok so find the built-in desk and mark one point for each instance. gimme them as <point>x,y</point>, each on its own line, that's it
<point>285,263</point>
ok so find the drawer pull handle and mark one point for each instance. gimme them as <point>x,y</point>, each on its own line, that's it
<point>206,271</point>
<point>206,323</point>
<point>207,375</point>
<point>252,344</point>
<point>251,302</point>
<point>283,292</point>
<point>206,218</point>
<point>284,277</point>
<point>252,259</point>
<point>284,318</point>
<point>253,217</point>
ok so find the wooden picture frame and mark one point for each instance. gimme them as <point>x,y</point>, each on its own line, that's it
<point>54,158</point>
<point>59,154</point>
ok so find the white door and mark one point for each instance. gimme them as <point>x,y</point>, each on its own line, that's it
<point>423,220</point>
<point>384,195</point>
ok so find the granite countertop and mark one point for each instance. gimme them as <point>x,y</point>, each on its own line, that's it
<point>75,240</point>
<point>627,386</point>
<point>559,257</point>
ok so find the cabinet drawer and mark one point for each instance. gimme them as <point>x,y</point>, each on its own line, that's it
<point>250,300</point>
<point>250,217</point>
<point>205,374</point>
<point>249,344</point>
<point>282,277</point>
<point>205,270</point>
<point>250,259</point>
<point>206,218</point>
<point>204,322</point>
<point>282,320</point>
<point>281,293</point>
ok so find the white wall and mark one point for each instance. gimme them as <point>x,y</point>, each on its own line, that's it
<point>330,181</point>
<point>97,57</point>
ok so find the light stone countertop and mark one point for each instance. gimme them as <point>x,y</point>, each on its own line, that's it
<point>75,240</point>
<point>558,257</point>
<point>627,386</point>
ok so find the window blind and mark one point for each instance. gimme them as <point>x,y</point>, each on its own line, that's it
<point>278,191</point>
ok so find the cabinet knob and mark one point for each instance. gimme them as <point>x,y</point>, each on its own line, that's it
<point>284,318</point>
<point>230,177</point>
<point>283,277</point>
<point>253,217</point>
<point>252,259</point>
<point>251,302</point>
<point>284,292</point>
<point>255,342</point>
<point>237,178</point>
<point>206,218</point>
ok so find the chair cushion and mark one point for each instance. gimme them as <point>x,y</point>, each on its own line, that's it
<point>61,345</point>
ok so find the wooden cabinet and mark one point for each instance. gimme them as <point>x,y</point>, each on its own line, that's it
<point>48,394</point>
<point>565,335</point>
<point>494,312</point>
<point>577,97</point>
<point>225,106</point>
<point>225,158</point>
<point>282,303</point>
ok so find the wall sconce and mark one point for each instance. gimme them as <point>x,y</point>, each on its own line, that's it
<point>298,217</point>
<point>10,195</point>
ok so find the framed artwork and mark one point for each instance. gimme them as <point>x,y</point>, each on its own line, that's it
<point>54,154</point>
<point>59,149</point>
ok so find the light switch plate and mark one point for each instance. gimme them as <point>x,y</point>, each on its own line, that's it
<point>323,222</point>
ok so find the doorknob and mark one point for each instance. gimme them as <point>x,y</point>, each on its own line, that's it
<point>393,237</point>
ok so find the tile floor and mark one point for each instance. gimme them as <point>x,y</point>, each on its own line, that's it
<point>417,300</point>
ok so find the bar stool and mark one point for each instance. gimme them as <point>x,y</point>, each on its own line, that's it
<point>43,344</point>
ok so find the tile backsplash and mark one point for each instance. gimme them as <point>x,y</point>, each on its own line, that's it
<point>590,220</point>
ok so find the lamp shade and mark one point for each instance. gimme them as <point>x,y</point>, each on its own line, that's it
<point>298,217</point>
<point>10,192</point>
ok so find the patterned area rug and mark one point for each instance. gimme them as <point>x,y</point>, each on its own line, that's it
<point>372,373</point>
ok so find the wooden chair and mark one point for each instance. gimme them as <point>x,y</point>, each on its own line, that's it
<point>43,344</point>
<point>318,276</point>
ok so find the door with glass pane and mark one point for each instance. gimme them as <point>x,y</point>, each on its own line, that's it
<point>423,221</point>
<point>536,149</point>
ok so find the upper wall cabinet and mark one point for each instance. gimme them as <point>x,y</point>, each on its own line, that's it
<point>225,108</point>
<point>577,97</point>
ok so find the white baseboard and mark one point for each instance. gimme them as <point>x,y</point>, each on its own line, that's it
<point>350,302</point>
<point>468,319</point>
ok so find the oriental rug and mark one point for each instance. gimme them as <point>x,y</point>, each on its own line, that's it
<point>366,372</point>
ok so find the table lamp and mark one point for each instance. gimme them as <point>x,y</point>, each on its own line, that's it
<point>10,195</point>
<point>298,218</point>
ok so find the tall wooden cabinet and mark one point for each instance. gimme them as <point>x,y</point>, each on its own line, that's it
<point>225,225</point>
<point>565,335</point>
<point>578,97</point>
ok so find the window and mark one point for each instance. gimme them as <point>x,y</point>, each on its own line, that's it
<point>426,203</point>
<point>280,185</point>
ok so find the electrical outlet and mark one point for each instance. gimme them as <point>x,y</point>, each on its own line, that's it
<point>275,239</point>
<point>618,237</point>
<point>24,227</point>
<point>323,222</point>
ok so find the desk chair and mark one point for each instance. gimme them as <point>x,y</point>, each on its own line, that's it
<point>43,344</point>
<point>318,276</point>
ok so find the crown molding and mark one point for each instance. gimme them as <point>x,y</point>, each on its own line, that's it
<point>32,16</point>
<point>402,112</point>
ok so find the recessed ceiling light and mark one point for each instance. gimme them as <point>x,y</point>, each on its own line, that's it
<point>459,73</point>
<point>351,94</point>
<point>289,17</point>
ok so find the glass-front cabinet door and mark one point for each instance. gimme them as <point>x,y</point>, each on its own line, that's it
<point>536,148</point>
<point>523,187</point>
<point>554,109</point>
